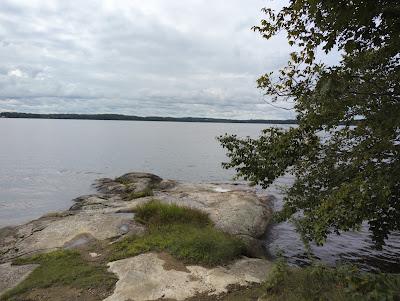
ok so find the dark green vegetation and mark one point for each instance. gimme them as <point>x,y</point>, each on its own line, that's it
<point>123,181</point>
<point>63,268</point>
<point>159,214</point>
<point>185,233</point>
<point>191,244</point>
<point>148,191</point>
<point>137,118</point>
<point>323,283</point>
<point>140,194</point>
<point>352,174</point>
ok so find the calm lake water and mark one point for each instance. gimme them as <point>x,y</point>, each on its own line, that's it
<point>47,163</point>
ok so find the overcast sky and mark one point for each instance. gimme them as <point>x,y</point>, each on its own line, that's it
<point>153,57</point>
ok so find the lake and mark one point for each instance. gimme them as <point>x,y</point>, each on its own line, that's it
<point>47,163</point>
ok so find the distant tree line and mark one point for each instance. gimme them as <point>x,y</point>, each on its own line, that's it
<point>138,118</point>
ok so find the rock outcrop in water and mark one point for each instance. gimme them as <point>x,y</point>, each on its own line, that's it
<point>106,216</point>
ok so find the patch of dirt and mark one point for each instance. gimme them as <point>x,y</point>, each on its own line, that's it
<point>92,245</point>
<point>235,293</point>
<point>63,293</point>
<point>101,248</point>
<point>170,263</point>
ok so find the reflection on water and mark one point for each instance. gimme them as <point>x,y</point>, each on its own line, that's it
<point>47,163</point>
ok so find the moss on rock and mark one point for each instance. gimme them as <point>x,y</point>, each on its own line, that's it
<point>62,268</point>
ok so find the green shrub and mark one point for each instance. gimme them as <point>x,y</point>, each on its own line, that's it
<point>190,243</point>
<point>157,213</point>
<point>319,282</point>
<point>60,268</point>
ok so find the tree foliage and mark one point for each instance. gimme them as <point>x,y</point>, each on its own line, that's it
<point>345,152</point>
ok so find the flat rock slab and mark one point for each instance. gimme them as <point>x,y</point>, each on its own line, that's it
<point>145,277</point>
<point>46,235</point>
<point>12,275</point>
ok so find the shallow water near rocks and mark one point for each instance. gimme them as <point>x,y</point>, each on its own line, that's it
<point>47,163</point>
<point>348,248</point>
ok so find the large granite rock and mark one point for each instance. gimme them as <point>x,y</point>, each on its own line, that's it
<point>65,229</point>
<point>128,183</point>
<point>148,277</point>
<point>235,209</point>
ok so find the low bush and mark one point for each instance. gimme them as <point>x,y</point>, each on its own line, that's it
<point>319,282</point>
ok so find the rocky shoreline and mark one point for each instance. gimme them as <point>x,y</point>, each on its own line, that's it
<point>107,217</point>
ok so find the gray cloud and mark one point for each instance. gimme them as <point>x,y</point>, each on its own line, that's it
<point>169,58</point>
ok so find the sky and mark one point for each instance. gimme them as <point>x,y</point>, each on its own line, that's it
<point>178,58</point>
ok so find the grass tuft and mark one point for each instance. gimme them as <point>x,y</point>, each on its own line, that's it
<point>189,243</point>
<point>62,268</point>
<point>186,233</point>
<point>157,213</point>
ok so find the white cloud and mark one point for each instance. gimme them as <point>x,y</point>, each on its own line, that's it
<point>154,57</point>
<point>17,73</point>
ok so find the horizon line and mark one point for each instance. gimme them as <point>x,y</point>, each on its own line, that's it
<point>123,117</point>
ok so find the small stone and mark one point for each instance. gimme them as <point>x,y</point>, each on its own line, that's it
<point>220,189</point>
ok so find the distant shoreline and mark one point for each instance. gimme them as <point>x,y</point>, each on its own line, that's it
<point>139,118</point>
